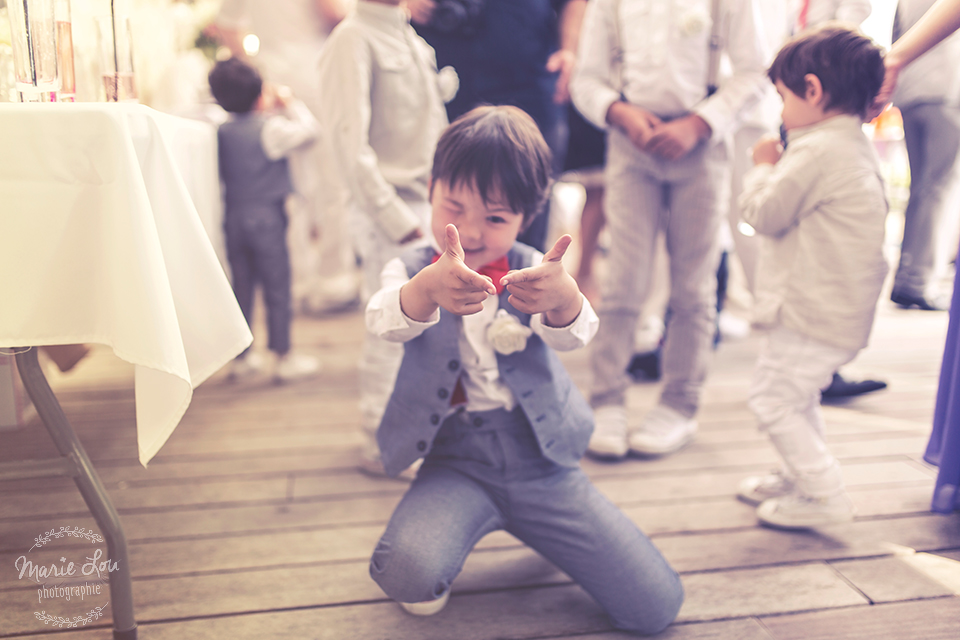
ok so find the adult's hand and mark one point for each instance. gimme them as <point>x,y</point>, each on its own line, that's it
<point>421,11</point>
<point>637,123</point>
<point>675,139</point>
<point>562,62</point>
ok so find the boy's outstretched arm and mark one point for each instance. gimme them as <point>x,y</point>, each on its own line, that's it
<point>447,283</point>
<point>546,288</point>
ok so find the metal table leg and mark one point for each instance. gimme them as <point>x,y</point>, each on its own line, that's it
<point>91,488</point>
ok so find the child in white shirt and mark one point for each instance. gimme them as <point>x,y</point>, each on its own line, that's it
<point>820,206</point>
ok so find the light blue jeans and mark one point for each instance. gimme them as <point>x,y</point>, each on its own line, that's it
<point>484,473</point>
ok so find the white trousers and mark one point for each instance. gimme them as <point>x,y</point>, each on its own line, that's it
<point>785,397</point>
<point>686,199</point>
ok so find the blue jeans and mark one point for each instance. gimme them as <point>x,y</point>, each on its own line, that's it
<point>484,473</point>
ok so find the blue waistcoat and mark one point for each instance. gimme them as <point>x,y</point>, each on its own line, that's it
<point>559,415</point>
<point>251,180</point>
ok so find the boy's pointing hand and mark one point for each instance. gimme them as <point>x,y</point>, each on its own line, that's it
<point>447,283</point>
<point>546,288</point>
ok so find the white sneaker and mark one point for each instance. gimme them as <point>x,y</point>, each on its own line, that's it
<point>757,489</point>
<point>245,367</point>
<point>295,366</point>
<point>609,438</point>
<point>796,511</point>
<point>428,608</point>
<point>372,465</point>
<point>664,430</point>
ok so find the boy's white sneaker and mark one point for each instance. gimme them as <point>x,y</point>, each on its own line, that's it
<point>609,437</point>
<point>797,511</point>
<point>372,465</point>
<point>664,430</point>
<point>428,608</point>
<point>295,366</point>
<point>245,367</point>
<point>757,489</point>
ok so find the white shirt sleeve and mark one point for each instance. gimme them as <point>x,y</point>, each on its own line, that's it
<point>775,197</point>
<point>384,316</point>
<point>283,133</point>
<point>346,71</point>
<point>745,46</point>
<point>575,335</point>
<point>595,84</point>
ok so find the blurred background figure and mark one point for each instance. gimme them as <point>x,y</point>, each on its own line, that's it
<point>283,39</point>
<point>514,52</point>
<point>265,126</point>
<point>928,96</point>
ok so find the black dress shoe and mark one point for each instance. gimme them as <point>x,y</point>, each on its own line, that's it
<point>840,388</point>
<point>907,300</point>
<point>645,367</point>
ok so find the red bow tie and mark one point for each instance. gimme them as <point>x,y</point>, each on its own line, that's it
<point>494,270</point>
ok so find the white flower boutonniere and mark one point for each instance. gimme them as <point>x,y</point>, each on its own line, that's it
<point>506,334</point>
<point>694,21</point>
<point>448,82</point>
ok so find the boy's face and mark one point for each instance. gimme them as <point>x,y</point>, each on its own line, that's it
<point>487,230</point>
<point>798,111</point>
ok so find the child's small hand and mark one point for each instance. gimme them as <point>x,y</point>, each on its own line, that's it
<point>546,288</point>
<point>768,150</point>
<point>282,96</point>
<point>448,283</point>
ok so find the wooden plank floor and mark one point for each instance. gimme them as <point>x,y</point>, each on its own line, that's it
<point>253,522</point>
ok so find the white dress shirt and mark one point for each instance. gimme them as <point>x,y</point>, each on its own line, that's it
<point>820,11</point>
<point>655,54</point>
<point>822,210</point>
<point>291,34</point>
<point>382,110</point>
<point>481,380</point>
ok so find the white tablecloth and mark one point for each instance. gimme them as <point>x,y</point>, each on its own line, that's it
<point>101,243</point>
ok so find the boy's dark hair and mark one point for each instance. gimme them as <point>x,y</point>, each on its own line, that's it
<point>849,65</point>
<point>235,85</point>
<point>501,152</point>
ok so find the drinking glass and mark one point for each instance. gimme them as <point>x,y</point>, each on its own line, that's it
<point>116,59</point>
<point>33,35</point>
<point>68,82</point>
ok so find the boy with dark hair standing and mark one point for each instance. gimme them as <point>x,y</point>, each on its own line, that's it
<point>253,149</point>
<point>483,397</point>
<point>820,206</point>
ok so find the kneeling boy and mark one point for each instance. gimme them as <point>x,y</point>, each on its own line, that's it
<point>484,398</point>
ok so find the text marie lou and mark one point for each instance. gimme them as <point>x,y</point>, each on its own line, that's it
<point>37,573</point>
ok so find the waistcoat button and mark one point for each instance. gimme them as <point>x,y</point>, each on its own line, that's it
<point>421,446</point>
<point>453,365</point>
<point>434,419</point>
<point>442,394</point>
